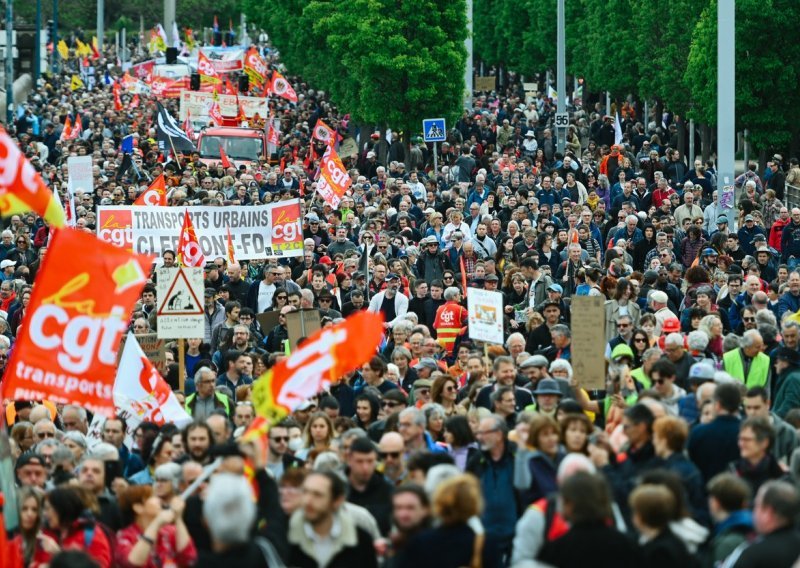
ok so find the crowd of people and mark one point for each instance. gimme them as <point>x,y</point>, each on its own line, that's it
<point>439,451</point>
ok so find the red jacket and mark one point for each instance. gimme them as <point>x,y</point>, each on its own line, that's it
<point>776,232</point>
<point>164,553</point>
<point>82,536</point>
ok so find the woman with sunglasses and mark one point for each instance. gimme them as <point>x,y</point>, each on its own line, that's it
<point>22,254</point>
<point>279,299</point>
<point>444,391</point>
<point>640,342</point>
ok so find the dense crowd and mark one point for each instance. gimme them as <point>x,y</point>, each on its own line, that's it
<point>439,451</point>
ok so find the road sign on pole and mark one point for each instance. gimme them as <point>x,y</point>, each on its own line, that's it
<point>180,295</point>
<point>562,119</point>
<point>434,130</point>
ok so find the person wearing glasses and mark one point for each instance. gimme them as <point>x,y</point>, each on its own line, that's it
<point>280,458</point>
<point>22,254</point>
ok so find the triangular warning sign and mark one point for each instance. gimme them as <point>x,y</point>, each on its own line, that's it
<point>180,299</point>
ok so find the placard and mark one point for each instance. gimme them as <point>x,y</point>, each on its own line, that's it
<point>79,169</point>
<point>197,104</point>
<point>484,83</point>
<point>179,297</point>
<point>302,323</point>
<point>588,341</point>
<point>154,349</point>
<point>485,315</point>
<point>258,232</point>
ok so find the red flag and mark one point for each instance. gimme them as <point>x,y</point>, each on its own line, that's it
<point>333,180</point>
<point>134,101</point>
<point>215,114</point>
<point>206,70</point>
<point>231,255</point>
<point>463,275</point>
<point>322,360</point>
<point>323,132</point>
<point>66,132</point>
<point>189,251</point>
<point>281,87</point>
<point>156,194</point>
<point>223,157</point>
<point>66,351</point>
<point>95,49</point>
<point>117,98</point>
<point>229,88</point>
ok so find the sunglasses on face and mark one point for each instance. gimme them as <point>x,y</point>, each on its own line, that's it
<point>279,438</point>
<point>393,455</point>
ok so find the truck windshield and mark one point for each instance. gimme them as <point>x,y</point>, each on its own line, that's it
<point>235,147</point>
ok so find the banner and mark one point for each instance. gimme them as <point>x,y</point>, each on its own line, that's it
<point>67,350</point>
<point>320,361</point>
<point>225,60</point>
<point>22,188</point>
<point>144,70</point>
<point>333,180</point>
<point>323,132</point>
<point>485,313</point>
<point>588,341</point>
<point>142,393</point>
<point>264,231</point>
<point>198,105</point>
<point>179,291</point>
<point>79,169</point>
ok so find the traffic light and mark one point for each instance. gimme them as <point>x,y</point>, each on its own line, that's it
<point>50,34</point>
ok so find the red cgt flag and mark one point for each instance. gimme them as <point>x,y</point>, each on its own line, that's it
<point>117,97</point>
<point>66,350</point>
<point>320,361</point>
<point>231,255</point>
<point>155,194</point>
<point>189,251</point>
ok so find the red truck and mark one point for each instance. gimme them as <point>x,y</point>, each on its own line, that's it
<point>241,145</point>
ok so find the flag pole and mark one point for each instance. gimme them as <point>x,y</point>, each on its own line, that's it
<point>181,366</point>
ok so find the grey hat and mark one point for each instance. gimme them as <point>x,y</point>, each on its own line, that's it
<point>535,361</point>
<point>701,372</point>
<point>547,386</point>
<point>427,363</point>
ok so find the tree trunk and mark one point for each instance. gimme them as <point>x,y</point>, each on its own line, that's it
<point>706,142</point>
<point>681,124</point>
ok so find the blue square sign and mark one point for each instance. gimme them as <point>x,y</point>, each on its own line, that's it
<point>433,130</point>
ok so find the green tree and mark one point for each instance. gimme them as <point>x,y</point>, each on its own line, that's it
<point>766,71</point>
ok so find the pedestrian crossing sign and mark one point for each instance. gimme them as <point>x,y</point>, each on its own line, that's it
<point>433,130</point>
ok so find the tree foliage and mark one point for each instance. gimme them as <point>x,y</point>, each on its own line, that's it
<point>766,71</point>
<point>390,62</point>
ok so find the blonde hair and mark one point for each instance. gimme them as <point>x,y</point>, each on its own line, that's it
<point>457,500</point>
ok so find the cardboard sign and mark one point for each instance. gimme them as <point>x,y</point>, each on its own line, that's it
<point>80,174</point>
<point>302,323</point>
<point>484,83</point>
<point>588,341</point>
<point>154,349</point>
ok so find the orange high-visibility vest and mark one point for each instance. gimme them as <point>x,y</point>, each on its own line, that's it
<point>450,318</point>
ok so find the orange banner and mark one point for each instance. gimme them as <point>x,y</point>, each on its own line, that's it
<point>22,188</point>
<point>255,67</point>
<point>66,350</point>
<point>320,361</point>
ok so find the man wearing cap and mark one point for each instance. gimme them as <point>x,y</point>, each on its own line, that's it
<point>450,320</point>
<point>392,303</point>
<point>31,470</point>
<point>547,396</point>
<point>658,303</point>
<point>767,266</point>
<point>432,262</point>
<point>787,385</point>
<point>7,269</point>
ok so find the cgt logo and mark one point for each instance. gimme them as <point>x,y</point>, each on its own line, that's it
<point>114,226</point>
<point>286,227</point>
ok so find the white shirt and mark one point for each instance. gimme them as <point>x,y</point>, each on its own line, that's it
<point>265,293</point>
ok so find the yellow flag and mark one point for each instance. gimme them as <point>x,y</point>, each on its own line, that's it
<point>76,83</point>
<point>63,50</point>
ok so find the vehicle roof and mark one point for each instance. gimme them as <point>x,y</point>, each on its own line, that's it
<point>233,132</point>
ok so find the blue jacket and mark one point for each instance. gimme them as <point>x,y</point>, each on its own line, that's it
<point>497,482</point>
<point>788,302</point>
<point>475,197</point>
<point>790,241</point>
<point>713,446</point>
<point>746,235</point>
<point>693,483</point>
<point>734,312</point>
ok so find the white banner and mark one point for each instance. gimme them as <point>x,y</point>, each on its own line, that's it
<point>79,169</point>
<point>263,231</point>
<point>225,59</point>
<point>198,104</point>
<point>485,309</point>
<point>179,293</point>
